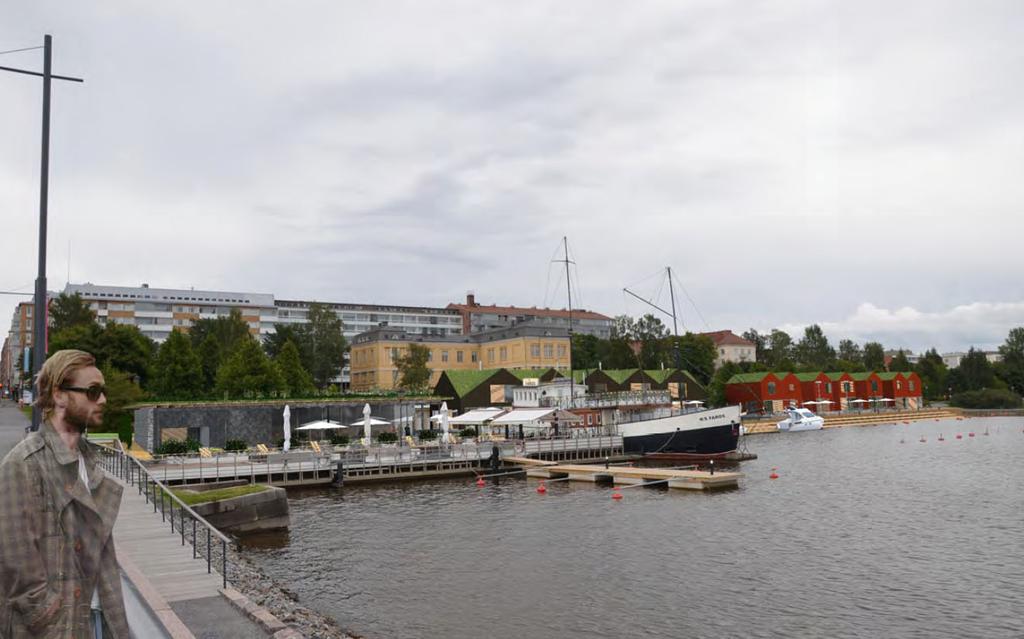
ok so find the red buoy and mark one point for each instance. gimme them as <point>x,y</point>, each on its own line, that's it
<point>616,494</point>
<point>542,488</point>
<point>480,482</point>
<point>774,474</point>
<point>970,434</point>
<point>959,436</point>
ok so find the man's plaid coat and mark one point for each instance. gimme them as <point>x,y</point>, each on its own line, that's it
<point>55,541</point>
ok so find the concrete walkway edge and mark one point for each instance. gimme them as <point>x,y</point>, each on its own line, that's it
<point>261,615</point>
<point>170,620</point>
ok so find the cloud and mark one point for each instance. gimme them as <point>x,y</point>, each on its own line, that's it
<point>982,325</point>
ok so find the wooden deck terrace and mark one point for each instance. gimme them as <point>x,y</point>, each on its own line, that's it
<point>628,475</point>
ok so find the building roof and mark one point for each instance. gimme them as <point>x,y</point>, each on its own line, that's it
<point>727,338</point>
<point>525,373</point>
<point>747,378</point>
<point>531,311</point>
<point>860,377</point>
<point>888,376</point>
<point>620,375</point>
<point>836,376</point>
<point>807,377</point>
<point>464,381</point>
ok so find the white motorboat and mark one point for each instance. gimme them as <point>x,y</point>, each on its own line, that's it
<point>801,419</point>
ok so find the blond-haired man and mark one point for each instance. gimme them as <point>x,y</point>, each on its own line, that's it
<point>58,572</point>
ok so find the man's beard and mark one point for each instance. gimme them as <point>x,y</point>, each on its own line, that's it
<point>78,418</point>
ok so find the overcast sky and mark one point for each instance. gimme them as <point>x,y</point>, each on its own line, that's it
<point>852,164</point>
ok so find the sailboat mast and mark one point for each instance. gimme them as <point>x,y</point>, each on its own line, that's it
<point>568,288</point>
<point>675,327</point>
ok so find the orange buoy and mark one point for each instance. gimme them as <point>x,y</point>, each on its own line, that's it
<point>774,474</point>
<point>480,482</point>
<point>542,488</point>
<point>616,494</point>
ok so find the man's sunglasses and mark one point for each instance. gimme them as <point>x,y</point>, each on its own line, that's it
<point>93,392</point>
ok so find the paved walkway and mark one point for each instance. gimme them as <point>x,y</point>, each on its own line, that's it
<point>153,557</point>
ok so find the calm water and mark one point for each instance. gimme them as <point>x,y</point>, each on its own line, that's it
<point>861,536</point>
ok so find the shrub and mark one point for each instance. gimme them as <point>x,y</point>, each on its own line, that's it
<point>339,440</point>
<point>177,447</point>
<point>428,435</point>
<point>469,431</point>
<point>387,438</point>
<point>235,445</point>
<point>987,398</point>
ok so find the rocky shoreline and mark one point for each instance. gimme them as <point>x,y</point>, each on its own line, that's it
<point>249,579</point>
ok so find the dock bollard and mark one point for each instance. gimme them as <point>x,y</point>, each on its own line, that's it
<point>339,474</point>
<point>712,462</point>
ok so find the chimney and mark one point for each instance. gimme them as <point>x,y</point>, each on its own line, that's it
<point>470,298</point>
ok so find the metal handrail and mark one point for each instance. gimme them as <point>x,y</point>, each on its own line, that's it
<point>131,470</point>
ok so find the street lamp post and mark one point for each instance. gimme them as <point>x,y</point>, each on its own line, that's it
<point>39,323</point>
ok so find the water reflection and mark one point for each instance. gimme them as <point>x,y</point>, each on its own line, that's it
<point>860,536</point>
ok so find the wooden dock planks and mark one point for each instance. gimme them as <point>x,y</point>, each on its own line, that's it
<point>684,479</point>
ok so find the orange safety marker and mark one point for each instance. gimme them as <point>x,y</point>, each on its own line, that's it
<point>480,482</point>
<point>616,494</point>
<point>542,488</point>
<point>774,474</point>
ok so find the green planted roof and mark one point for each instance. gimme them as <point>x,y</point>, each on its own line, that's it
<point>620,375</point>
<point>807,377</point>
<point>860,377</point>
<point>465,381</point>
<point>747,378</point>
<point>888,377</point>
<point>836,376</point>
<point>659,375</point>
<point>524,373</point>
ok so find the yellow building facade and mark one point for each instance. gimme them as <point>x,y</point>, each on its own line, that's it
<point>373,354</point>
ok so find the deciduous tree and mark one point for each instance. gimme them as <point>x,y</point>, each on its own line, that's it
<point>813,350</point>
<point>177,374</point>
<point>874,356</point>
<point>413,374</point>
<point>67,311</point>
<point>248,370</point>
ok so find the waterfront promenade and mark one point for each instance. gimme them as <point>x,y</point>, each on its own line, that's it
<point>162,572</point>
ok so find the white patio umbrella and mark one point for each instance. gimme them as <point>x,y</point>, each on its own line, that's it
<point>367,422</point>
<point>321,425</point>
<point>444,422</point>
<point>287,428</point>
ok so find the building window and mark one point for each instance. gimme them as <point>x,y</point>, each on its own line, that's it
<point>430,355</point>
<point>490,354</point>
<point>503,353</point>
<point>444,356</point>
<point>828,387</point>
<point>549,351</point>
<point>910,385</point>
<point>472,356</point>
<point>899,385</point>
<point>874,386</point>
<point>791,387</point>
<point>771,388</point>
<point>394,354</point>
<point>847,387</point>
<point>535,350</point>
<point>458,356</point>
<point>561,351</point>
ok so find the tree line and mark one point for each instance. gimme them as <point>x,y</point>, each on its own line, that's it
<point>974,383</point>
<point>217,359</point>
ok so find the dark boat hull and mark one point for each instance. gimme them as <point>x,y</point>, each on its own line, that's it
<point>712,442</point>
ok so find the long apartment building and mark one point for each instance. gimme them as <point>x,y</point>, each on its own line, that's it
<point>19,338</point>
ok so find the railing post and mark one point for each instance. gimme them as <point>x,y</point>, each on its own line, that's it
<point>224,562</point>
<point>209,551</point>
<point>193,538</point>
<point>181,525</point>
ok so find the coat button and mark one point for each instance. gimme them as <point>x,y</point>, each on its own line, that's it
<point>78,545</point>
<point>78,593</point>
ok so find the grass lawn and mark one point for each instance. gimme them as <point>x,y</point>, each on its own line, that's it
<point>191,497</point>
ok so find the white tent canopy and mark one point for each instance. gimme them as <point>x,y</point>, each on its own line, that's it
<point>858,401</point>
<point>526,415</point>
<point>884,399</point>
<point>693,402</point>
<point>477,416</point>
